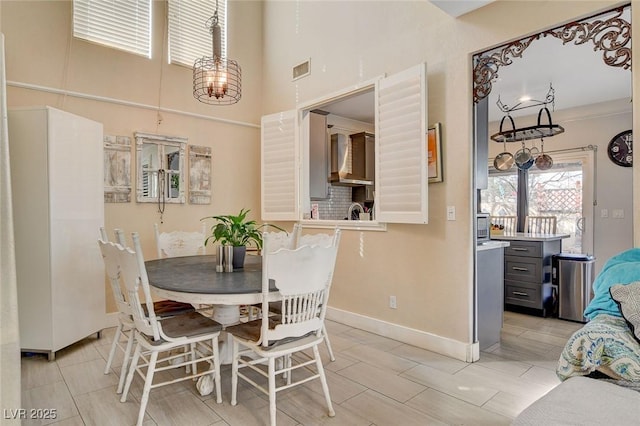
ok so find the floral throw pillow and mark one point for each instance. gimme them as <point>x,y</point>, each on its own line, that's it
<point>627,296</point>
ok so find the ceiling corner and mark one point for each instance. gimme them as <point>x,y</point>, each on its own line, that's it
<point>458,8</point>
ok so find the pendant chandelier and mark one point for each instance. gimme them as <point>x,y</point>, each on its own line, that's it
<point>216,80</point>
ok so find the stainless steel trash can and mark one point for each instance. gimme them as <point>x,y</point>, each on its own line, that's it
<point>573,275</point>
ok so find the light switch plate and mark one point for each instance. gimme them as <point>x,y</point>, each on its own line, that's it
<point>604,213</point>
<point>451,212</point>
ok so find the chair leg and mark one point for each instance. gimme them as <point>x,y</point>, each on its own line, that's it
<point>216,365</point>
<point>125,361</point>
<point>323,380</point>
<point>234,370</point>
<point>272,390</point>
<point>328,343</point>
<point>112,351</point>
<point>288,366</point>
<point>185,350</point>
<point>132,370</point>
<point>148,381</point>
<point>194,360</point>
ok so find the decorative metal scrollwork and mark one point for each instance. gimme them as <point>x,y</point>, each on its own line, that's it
<point>612,36</point>
<point>486,69</point>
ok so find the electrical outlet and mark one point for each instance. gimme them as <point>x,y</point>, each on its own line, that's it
<point>617,213</point>
<point>393,303</point>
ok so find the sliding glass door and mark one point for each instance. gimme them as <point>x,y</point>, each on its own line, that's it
<point>564,191</point>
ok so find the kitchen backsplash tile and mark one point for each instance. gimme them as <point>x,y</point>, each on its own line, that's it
<point>336,207</point>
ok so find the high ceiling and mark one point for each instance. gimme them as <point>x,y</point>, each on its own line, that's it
<point>577,73</point>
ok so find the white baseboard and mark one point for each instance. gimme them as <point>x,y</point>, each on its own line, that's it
<point>467,352</point>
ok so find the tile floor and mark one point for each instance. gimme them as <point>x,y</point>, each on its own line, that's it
<point>374,381</point>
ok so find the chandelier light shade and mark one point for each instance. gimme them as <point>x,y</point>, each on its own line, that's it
<point>216,80</point>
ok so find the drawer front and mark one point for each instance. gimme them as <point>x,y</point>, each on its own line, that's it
<point>517,293</point>
<point>520,268</point>
<point>524,248</point>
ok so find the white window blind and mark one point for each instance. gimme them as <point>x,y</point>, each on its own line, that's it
<point>189,35</point>
<point>121,24</point>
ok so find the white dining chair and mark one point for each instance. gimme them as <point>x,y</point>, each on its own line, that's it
<point>508,222</point>
<point>179,243</point>
<point>303,278</point>
<point>125,318</point>
<point>321,239</point>
<point>540,224</point>
<point>163,308</point>
<point>155,340</point>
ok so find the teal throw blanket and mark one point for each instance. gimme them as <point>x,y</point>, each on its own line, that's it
<point>623,268</point>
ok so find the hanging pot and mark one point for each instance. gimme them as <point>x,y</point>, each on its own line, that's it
<point>526,165</point>
<point>523,157</point>
<point>504,161</point>
<point>544,161</point>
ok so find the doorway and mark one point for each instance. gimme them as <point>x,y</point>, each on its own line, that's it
<point>569,189</point>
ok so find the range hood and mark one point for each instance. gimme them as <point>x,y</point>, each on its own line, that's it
<point>352,159</point>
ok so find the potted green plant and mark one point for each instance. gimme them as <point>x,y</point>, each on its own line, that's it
<point>237,231</point>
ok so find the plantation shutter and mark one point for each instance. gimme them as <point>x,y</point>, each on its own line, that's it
<point>401,147</point>
<point>279,153</point>
<point>121,24</point>
<point>189,35</point>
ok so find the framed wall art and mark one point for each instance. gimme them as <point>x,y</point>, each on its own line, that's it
<point>434,153</point>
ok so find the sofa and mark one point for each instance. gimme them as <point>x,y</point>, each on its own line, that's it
<point>600,364</point>
<point>584,401</point>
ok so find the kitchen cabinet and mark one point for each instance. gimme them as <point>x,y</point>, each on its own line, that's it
<point>318,156</point>
<point>490,292</point>
<point>58,209</point>
<point>481,128</point>
<point>363,194</point>
<point>527,272</point>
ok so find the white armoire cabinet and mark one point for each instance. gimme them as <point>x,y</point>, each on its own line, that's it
<point>58,208</point>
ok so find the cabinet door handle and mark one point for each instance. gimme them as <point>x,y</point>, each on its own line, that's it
<point>517,268</point>
<point>519,293</point>
<point>519,249</point>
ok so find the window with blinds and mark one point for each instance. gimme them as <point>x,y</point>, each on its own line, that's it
<point>120,24</point>
<point>189,35</point>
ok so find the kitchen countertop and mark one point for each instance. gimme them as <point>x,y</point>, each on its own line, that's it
<point>525,236</point>
<point>490,245</point>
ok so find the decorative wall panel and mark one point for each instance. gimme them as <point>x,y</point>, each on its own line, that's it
<point>199,175</point>
<point>117,169</point>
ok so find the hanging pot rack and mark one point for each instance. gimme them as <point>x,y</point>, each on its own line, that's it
<point>537,131</point>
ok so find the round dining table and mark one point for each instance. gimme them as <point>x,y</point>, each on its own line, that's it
<point>193,279</point>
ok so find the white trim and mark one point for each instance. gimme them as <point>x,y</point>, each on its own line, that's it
<point>339,94</point>
<point>467,352</point>
<point>126,103</point>
<point>348,225</point>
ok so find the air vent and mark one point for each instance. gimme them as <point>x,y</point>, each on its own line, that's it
<point>302,70</point>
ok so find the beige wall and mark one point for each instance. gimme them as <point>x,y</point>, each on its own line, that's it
<point>41,51</point>
<point>428,267</point>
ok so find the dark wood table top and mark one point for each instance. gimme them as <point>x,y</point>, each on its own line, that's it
<point>193,279</point>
